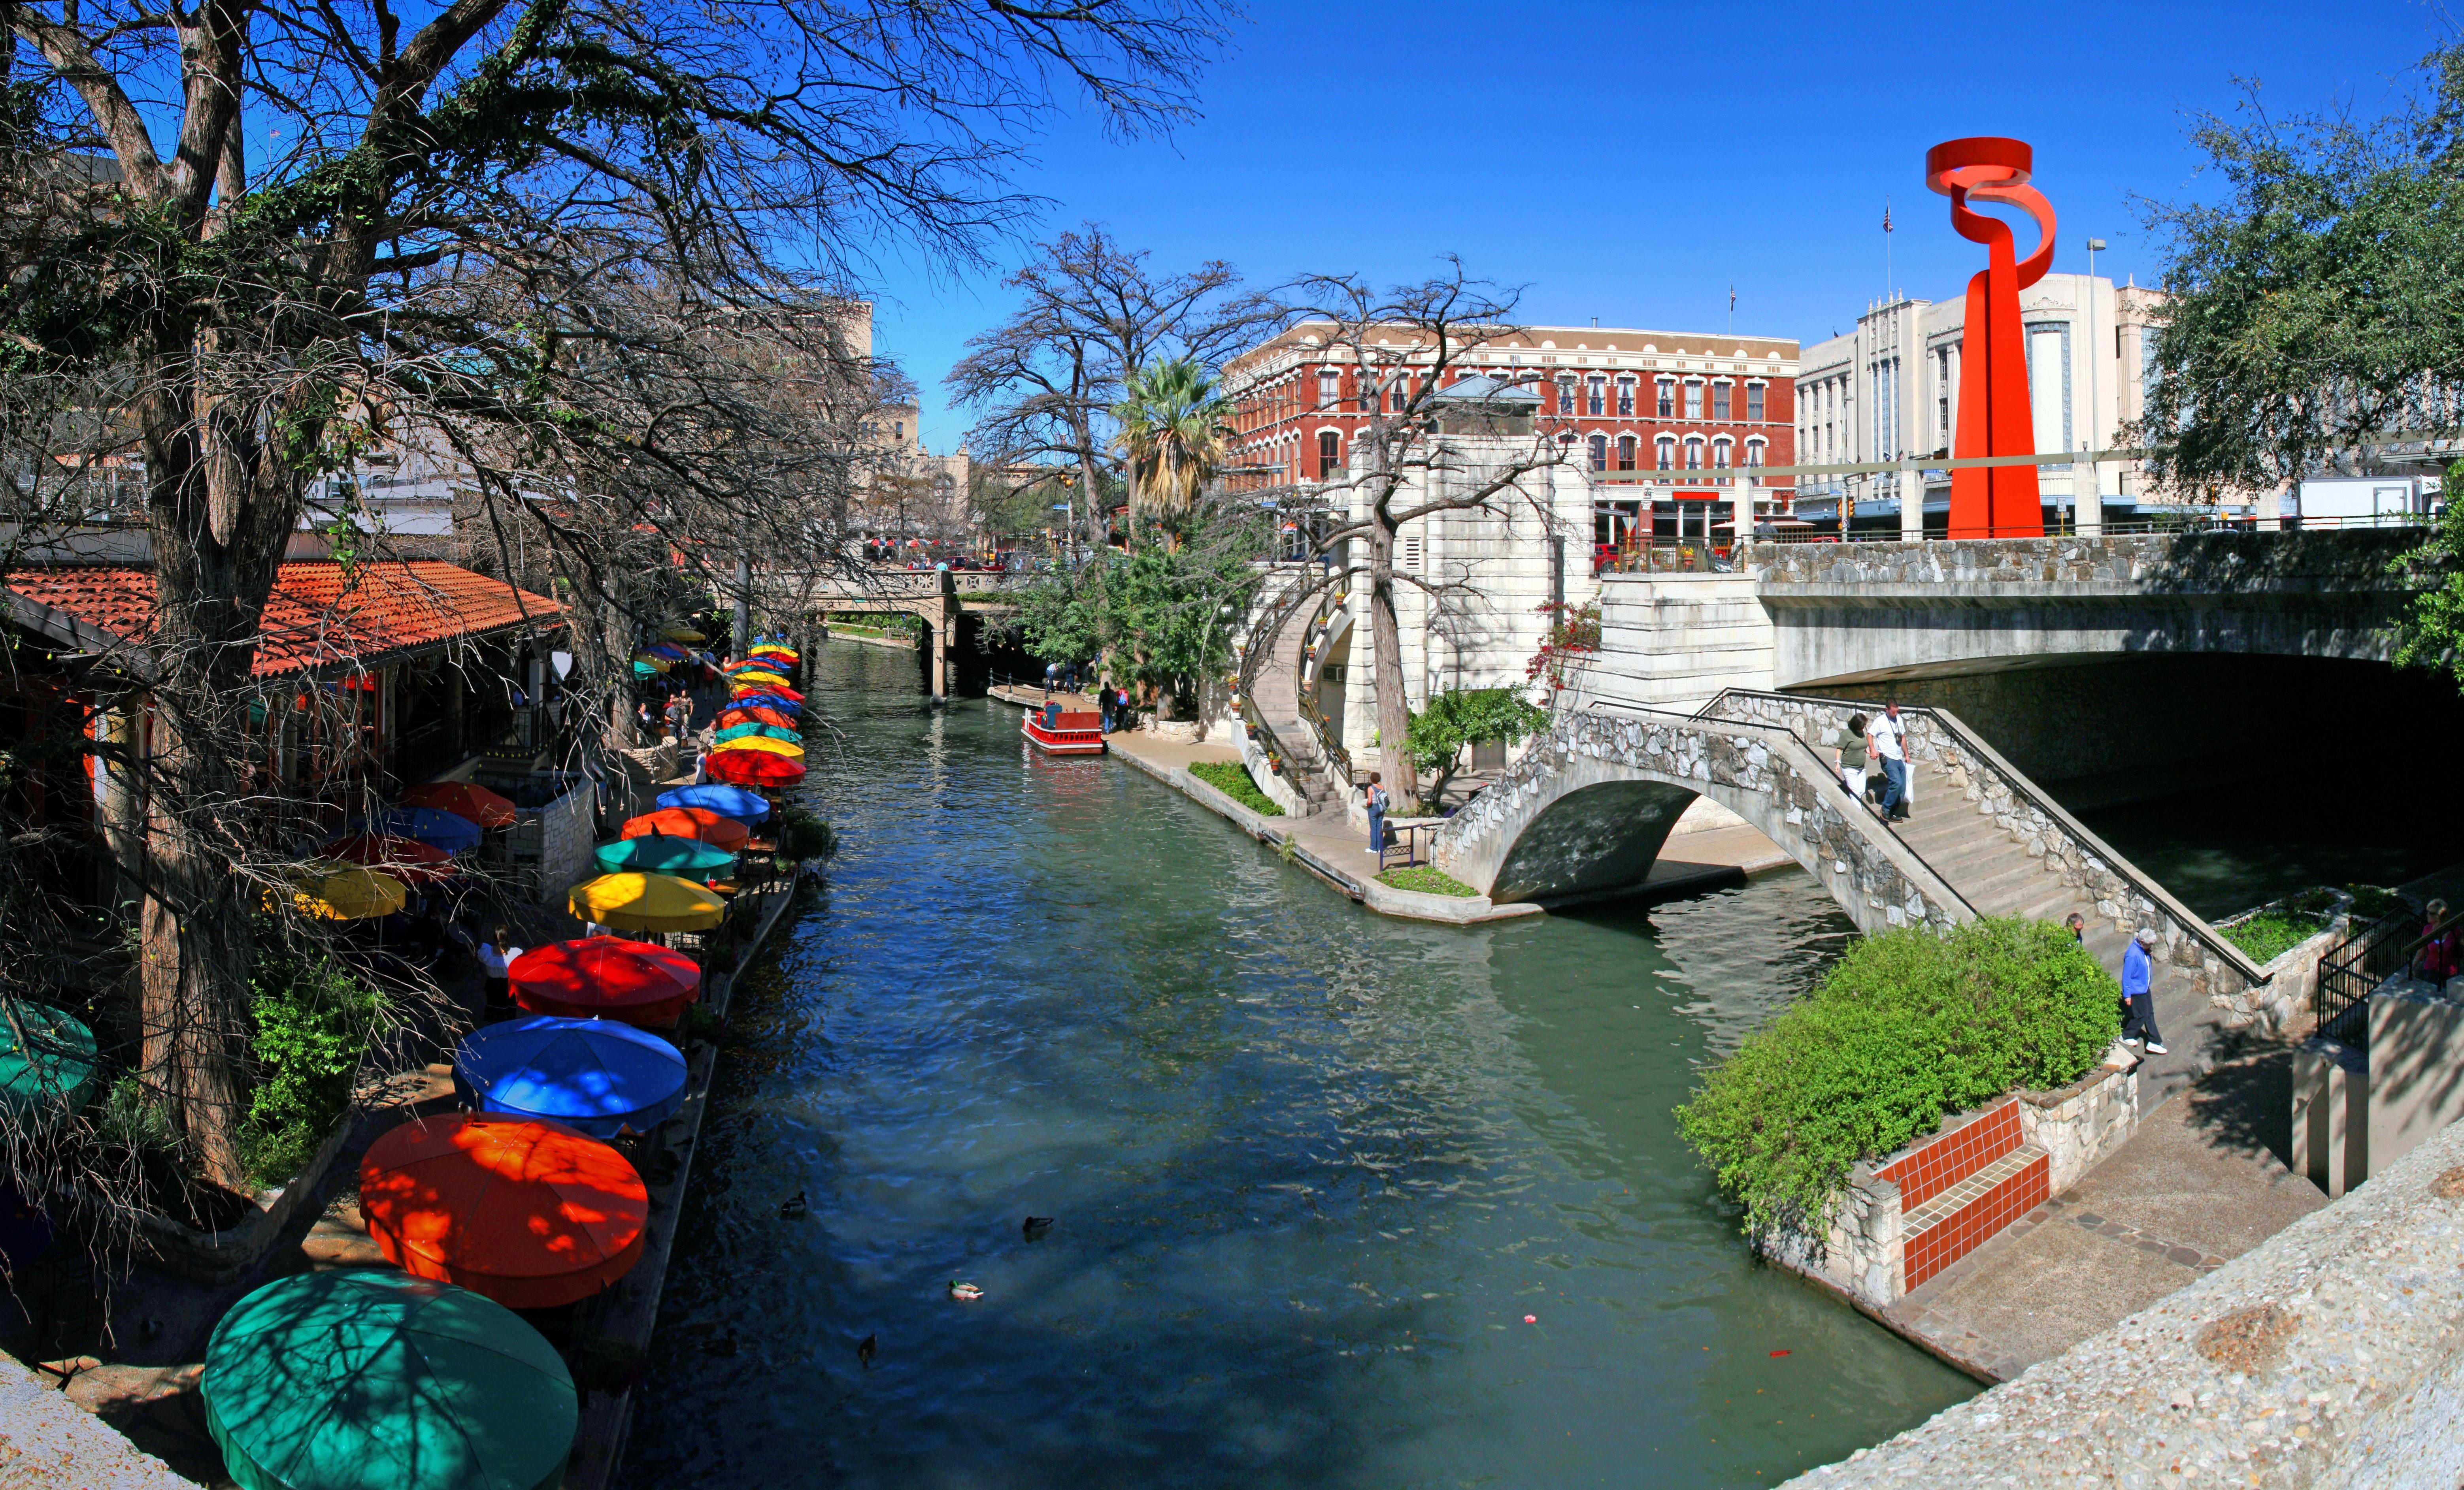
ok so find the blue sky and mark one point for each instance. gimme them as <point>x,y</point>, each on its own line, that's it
<point>1632,162</point>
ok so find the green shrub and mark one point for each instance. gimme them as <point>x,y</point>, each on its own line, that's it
<point>2374,902</point>
<point>314,1017</point>
<point>2272,934</point>
<point>803,835</point>
<point>1232,779</point>
<point>1425,880</point>
<point>1908,1027</point>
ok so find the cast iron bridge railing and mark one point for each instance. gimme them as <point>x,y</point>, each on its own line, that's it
<point>1321,628</point>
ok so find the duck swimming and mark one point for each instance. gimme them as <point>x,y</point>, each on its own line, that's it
<point>794,1206</point>
<point>1036,1226</point>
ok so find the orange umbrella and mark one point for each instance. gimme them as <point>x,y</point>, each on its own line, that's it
<point>463,800</point>
<point>719,832</point>
<point>752,768</point>
<point>529,1214</point>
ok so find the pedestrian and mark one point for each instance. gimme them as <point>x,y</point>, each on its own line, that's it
<point>679,711</point>
<point>1890,747</point>
<point>496,962</point>
<point>1104,703</point>
<point>2442,948</point>
<point>2076,925</point>
<point>1852,746</point>
<point>1052,676</point>
<point>1377,801</point>
<point>2138,979</point>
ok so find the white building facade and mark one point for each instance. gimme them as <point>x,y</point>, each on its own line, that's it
<point>1888,390</point>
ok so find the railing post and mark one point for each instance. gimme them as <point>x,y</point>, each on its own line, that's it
<point>1911,501</point>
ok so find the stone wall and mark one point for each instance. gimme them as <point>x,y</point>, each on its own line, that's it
<point>2082,1124</point>
<point>1861,1252</point>
<point>1671,640</point>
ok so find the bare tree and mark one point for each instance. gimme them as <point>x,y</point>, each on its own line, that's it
<point>1093,313</point>
<point>1432,444</point>
<point>286,230</point>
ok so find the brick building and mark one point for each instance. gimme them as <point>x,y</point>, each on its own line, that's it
<point>1685,417</point>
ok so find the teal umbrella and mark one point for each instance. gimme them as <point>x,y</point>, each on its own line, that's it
<point>658,853</point>
<point>46,1058</point>
<point>738,731</point>
<point>362,1380</point>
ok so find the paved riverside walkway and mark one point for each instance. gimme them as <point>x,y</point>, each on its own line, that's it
<point>2199,1184</point>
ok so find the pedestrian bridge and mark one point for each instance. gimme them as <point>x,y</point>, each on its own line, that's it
<point>1587,808</point>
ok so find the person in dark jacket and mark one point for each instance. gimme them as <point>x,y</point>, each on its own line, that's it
<point>2138,984</point>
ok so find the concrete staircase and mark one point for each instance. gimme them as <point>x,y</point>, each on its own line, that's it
<point>1275,688</point>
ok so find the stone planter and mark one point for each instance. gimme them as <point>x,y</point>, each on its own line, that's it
<point>217,1257</point>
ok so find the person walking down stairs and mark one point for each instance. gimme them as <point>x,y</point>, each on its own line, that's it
<point>1890,744</point>
<point>2138,996</point>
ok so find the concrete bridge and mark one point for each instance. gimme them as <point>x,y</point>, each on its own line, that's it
<point>943,596</point>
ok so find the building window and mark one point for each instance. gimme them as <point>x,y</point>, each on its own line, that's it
<point>1694,454</point>
<point>1330,452</point>
<point>1667,399</point>
<point>1599,452</point>
<point>1667,452</point>
<point>1754,402</point>
<point>1719,400</point>
<point>1625,452</point>
<point>1693,400</point>
<point>1754,455</point>
<point>1565,395</point>
<point>1398,393</point>
<point>1599,396</point>
<point>1364,392</point>
<point>1625,398</point>
<point>1330,387</point>
<point>1719,454</point>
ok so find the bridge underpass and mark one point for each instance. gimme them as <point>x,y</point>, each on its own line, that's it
<point>945,599</point>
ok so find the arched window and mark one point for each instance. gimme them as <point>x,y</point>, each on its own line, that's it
<point>1754,455</point>
<point>1364,392</point>
<point>1330,452</point>
<point>1625,398</point>
<point>1719,454</point>
<point>1719,400</point>
<point>1667,450</point>
<point>1625,452</point>
<point>1398,393</point>
<point>1599,396</point>
<point>1754,402</point>
<point>1667,399</point>
<point>1565,395</point>
<point>1599,452</point>
<point>1694,449</point>
<point>1693,400</point>
<point>1330,387</point>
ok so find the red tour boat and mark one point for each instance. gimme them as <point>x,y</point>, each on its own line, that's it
<point>1056,730</point>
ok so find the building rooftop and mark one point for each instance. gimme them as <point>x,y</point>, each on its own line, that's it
<point>319,615</point>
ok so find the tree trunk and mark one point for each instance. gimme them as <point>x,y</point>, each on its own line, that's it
<point>1386,638</point>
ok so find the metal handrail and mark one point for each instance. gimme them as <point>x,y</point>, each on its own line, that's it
<point>2020,786</point>
<point>1320,627</point>
<point>2363,960</point>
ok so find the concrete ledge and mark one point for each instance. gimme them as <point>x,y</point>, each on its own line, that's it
<point>2331,1355</point>
<point>1419,906</point>
<point>47,1442</point>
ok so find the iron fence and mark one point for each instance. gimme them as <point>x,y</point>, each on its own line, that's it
<point>2360,963</point>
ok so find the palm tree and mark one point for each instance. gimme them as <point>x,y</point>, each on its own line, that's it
<point>1174,423</point>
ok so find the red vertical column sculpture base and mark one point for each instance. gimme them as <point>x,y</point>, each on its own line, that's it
<point>1993,501</point>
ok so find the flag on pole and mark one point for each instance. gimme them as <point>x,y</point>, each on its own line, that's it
<point>1886,214</point>
<point>1732,297</point>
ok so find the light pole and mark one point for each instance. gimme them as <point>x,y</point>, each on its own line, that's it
<point>2081,522</point>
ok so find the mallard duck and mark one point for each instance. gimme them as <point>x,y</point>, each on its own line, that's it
<point>1036,1226</point>
<point>965,1293</point>
<point>864,1351</point>
<point>794,1206</point>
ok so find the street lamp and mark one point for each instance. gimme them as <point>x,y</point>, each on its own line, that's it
<point>2095,353</point>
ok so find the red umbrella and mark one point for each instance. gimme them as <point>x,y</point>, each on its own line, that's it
<point>746,689</point>
<point>758,768</point>
<point>713,828</point>
<point>402,858</point>
<point>605,977</point>
<point>463,800</point>
<point>529,1214</point>
<point>755,713</point>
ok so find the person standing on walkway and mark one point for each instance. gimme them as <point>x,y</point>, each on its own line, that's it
<point>1377,801</point>
<point>2442,949</point>
<point>2138,982</point>
<point>495,963</point>
<point>1891,746</point>
<point>1051,675</point>
<point>1853,748</point>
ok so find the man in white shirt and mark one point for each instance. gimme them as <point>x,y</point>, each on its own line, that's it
<point>1890,739</point>
<point>496,956</point>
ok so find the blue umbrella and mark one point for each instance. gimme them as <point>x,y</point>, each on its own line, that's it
<point>438,829</point>
<point>594,1075</point>
<point>786,706</point>
<point>727,802</point>
<point>672,654</point>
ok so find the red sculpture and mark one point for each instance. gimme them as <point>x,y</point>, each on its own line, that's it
<point>1993,501</point>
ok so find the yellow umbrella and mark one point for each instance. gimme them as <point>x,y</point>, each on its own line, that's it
<point>683,634</point>
<point>343,891</point>
<point>756,675</point>
<point>762,742</point>
<point>647,903</point>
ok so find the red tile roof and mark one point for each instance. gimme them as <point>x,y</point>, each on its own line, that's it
<point>318,616</point>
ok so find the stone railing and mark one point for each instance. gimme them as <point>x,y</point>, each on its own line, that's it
<point>2210,562</point>
<point>2123,895</point>
<point>2329,1355</point>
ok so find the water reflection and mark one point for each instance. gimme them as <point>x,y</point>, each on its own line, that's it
<point>1311,1169</point>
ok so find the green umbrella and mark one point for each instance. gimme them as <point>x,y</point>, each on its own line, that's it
<point>688,857</point>
<point>362,1380</point>
<point>738,731</point>
<point>46,1057</point>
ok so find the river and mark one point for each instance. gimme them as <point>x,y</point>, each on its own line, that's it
<point>1337,1201</point>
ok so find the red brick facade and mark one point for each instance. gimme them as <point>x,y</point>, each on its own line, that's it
<point>1632,402</point>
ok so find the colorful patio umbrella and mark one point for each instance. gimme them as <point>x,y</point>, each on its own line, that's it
<point>761,679</point>
<point>47,1061</point>
<point>651,660</point>
<point>605,977</point>
<point>365,1380</point>
<point>744,691</point>
<point>648,670</point>
<point>718,829</point>
<point>404,859</point>
<point>596,1076</point>
<point>779,702</point>
<point>755,713</point>
<point>464,799</point>
<point>731,801</point>
<point>647,903</point>
<point>785,654</point>
<point>763,743</point>
<point>668,649</point>
<point>752,768</point>
<point>753,728</point>
<point>343,891</point>
<point>689,857</point>
<point>447,830</point>
<point>678,631</point>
